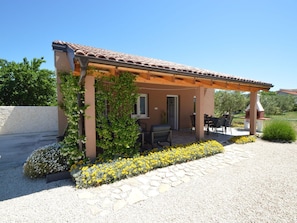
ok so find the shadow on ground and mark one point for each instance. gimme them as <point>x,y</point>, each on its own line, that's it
<point>14,184</point>
<point>14,150</point>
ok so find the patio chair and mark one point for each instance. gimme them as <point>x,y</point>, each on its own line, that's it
<point>142,130</point>
<point>207,122</point>
<point>228,123</point>
<point>158,134</point>
<point>217,123</point>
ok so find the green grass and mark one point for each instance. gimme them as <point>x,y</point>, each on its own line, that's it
<point>289,116</point>
<point>238,120</point>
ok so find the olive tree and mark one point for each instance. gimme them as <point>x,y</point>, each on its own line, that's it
<point>275,104</point>
<point>229,102</point>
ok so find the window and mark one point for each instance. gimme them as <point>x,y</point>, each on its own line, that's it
<point>140,108</point>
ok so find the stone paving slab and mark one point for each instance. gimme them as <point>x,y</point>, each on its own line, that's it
<point>151,184</point>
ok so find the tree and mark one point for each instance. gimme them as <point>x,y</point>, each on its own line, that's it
<point>229,102</point>
<point>275,104</point>
<point>26,84</point>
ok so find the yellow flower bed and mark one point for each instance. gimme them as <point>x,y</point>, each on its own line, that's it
<point>98,174</point>
<point>243,139</point>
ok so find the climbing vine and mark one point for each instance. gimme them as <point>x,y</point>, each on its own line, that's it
<point>74,109</point>
<point>117,132</point>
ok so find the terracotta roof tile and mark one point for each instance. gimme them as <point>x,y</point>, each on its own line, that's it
<point>288,91</point>
<point>149,62</point>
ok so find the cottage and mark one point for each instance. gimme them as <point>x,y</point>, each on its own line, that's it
<point>167,90</point>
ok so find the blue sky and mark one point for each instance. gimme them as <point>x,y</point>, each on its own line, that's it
<point>255,39</point>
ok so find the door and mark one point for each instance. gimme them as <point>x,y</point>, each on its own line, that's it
<point>172,111</point>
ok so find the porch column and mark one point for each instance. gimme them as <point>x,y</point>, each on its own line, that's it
<point>90,117</point>
<point>253,112</point>
<point>199,121</point>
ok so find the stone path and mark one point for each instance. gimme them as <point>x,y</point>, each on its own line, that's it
<point>112,197</point>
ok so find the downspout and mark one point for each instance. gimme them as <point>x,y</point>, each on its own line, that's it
<point>83,65</point>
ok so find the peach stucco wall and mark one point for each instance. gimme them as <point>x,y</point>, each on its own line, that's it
<point>157,103</point>
<point>62,65</point>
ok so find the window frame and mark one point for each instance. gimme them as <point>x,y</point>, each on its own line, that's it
<point>138,108</point>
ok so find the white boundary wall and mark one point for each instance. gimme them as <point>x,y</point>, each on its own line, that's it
<point>28,119</point>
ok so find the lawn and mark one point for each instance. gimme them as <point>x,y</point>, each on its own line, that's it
<point>289,116</point>
<point>238,120</point>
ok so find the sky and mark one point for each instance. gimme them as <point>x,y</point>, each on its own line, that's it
<point>253,39</point>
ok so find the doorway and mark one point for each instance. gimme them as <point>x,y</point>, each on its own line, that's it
<point>172,111</point>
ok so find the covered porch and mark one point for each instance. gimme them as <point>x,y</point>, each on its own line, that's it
<point>157,80</point>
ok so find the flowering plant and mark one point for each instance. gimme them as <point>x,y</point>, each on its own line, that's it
<point>243,139</point>
<point>87,175</point>
<point>45,160</point>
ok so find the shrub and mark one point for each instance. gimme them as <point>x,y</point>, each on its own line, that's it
<point>242,139</point>
<point>97,174</point>
<point>279,130</point>
<point>45,160</point>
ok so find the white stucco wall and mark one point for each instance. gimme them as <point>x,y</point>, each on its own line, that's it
<point>27,119</point>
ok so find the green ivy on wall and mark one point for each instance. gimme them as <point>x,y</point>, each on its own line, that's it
<point>74,109</point>
<point>117,132</point>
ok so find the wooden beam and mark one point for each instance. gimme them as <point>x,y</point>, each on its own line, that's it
<point>103,66</point>
<point>145,76</point>
<point>133,70</point>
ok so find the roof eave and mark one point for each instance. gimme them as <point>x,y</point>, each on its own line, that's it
<point>205,76</point>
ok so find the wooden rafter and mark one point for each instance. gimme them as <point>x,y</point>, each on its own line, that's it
<point>153,77</point>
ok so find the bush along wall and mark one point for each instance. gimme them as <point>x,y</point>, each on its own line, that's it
<point>73,105</point>
<point>104,173</point>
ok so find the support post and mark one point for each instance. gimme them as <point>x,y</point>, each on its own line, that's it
<point>199,120</point>
<point>253,112</point>
<point>90,117</point>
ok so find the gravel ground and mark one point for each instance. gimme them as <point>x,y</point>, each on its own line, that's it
<point>262,188</point>
<point>259,189</point>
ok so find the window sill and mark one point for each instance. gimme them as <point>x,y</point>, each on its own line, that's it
<point>140,117</point>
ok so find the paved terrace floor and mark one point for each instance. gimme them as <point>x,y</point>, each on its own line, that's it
<point>188,136</point>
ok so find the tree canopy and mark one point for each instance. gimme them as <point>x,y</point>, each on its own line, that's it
<point>275,104</point>
<point>25,83</point>
<point>233,101</point>
<point>229,102</point>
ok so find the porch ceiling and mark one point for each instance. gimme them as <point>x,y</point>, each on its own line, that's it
<point>153,77</point>
<point>103,62</point>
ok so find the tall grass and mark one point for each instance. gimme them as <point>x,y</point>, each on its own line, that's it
<point>288,116</point>
<point>279,130</point>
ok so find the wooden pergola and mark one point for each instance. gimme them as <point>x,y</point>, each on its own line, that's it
<point>88,62</point>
